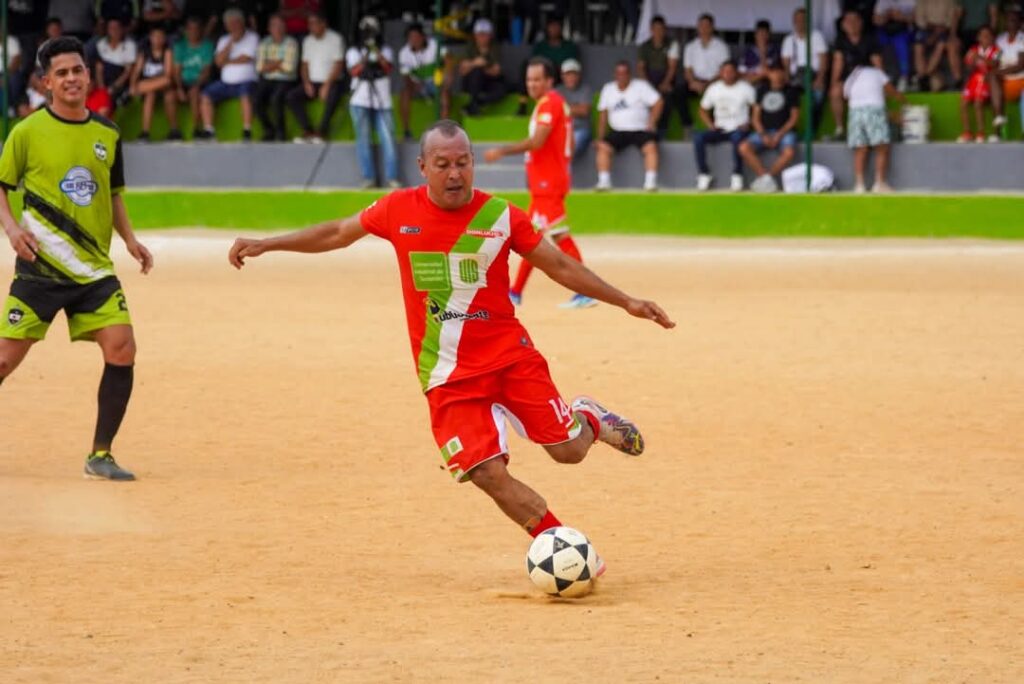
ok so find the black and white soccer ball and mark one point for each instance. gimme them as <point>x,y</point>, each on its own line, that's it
<point>562,562</point>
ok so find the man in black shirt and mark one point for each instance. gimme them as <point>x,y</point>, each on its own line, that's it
<point>774,121</point>
<point>853,48</point>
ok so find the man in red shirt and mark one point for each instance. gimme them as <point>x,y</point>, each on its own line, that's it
<point>549,151</point>
<point>475,361</point>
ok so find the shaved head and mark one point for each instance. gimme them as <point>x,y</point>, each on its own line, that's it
<point>445,129</point>
<point>446,162</point>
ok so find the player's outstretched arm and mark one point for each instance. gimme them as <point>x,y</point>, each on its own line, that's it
<point>324,237</point>
<point>576,277</point>
<point>123,226</point>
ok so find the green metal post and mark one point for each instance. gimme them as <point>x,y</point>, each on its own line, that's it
<point>7,77</point>
<point>808,100</point>
<point>438,59</point>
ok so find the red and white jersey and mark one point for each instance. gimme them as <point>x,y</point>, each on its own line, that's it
<point>985,58</point>
<point>454,269</point>
<point>547,168</point>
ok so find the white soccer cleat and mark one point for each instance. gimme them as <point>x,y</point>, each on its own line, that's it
<point>736,182</point>
<point>764,183</point>
<point>998,121</point>
<point>994,138</point>
<point>603,186</point>
<point>616,431</point>
<point>650,186</point>
<point>704,182</point>
<point>859,189</point>
<point>881,188</point>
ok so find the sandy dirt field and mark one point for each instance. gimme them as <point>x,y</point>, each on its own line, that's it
<point>833,489</point>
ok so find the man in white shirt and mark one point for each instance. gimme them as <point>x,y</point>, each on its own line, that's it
<point>728,100</point>
<point>794,59</point>
<point>369,63</point>
<point>418,60</point>
<point>320,76</point>
<point>116,54</point>
<point>630,108</point>
<point>865,89</point>
<point>235,54</point>
<point>1011,65</point>
<point>702,59</point>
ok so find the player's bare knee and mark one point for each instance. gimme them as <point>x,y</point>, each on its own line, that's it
<point>121,352</point>
<point>490,476</point>
<point>569,452</point>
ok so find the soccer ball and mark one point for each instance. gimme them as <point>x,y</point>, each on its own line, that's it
<point>562,562</point>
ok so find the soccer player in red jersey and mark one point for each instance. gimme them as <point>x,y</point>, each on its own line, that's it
<point>548,160</point>
<point>475,361</point>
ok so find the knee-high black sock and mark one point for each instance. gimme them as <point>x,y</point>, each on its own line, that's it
<point>115,390</point>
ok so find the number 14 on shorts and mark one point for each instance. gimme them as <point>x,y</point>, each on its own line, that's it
<point>562,412</point>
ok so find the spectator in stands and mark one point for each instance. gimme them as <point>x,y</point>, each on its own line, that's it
<point>323,66</point>
<point>25,21</point>
<point>153,77</point>
<point>193,64</point>
<point>728,100</point>
<point>894,27</point>
<point>10,73</point>
<point>774,119</point>
<point>579,97</point>
<point>297,13</point>
<point>972,15</point>
<point>125,11</point>
<point>554,48</point>
<point>761,57</point>
<point>794,59</point>
<point>935,39</point>
<point>236,57</point>
<point>482,78</point>
<point>866,90</point>
<point>163,13</point>
<point>76,17</point>
<point>1011,66</point>
<point>703,58</point>
<point>35,91</point>
<point>853,48</point>
<point>418,60</point>
<point>369,63</point>
<point>658,64</point>
<point>983,60</point>
<point>277,64</point>
<point>116,55</point>
<point>628,112</point>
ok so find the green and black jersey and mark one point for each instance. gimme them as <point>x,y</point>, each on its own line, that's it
<point>70,171</point>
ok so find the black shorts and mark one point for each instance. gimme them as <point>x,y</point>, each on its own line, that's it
<point>33,304</point>
<point>620,140</point>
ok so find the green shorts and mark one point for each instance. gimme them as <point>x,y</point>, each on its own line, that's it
<point>33,304</point>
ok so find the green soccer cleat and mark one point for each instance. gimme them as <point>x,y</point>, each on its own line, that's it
<point>102,466</point>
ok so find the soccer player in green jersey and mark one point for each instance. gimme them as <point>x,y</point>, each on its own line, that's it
<point>70,165</point>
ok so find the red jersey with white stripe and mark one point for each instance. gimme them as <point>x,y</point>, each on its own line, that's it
<point>547,168</point>
<point>454,269</point>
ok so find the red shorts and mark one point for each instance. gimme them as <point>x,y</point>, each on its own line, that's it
<point>548,213</point>
<point>976,89</point>
<point>468,416</point>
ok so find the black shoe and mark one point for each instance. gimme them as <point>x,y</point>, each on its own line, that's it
<point>203,134</point>
<point>246,136</point>
<point>175,134</point>
<point>408,136</point>
<point>143,137</point>
<point>102,466</point>
<point>521,111</point>
<point>473,109</point>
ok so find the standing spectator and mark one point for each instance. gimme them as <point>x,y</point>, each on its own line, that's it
<point>760,57</point>
<point>972,15</point>
<point>729,101</point>
<point>774,121</point>
<point>1011,68</point>
<point>236,57</point>
<point>866,89</point>
<point>703,58</point>
<point>418,60</point>
<point>481,69</point>
<point>193,62</point>
<point>853,48</point>
<point>163,13</point>
<point>297,13</point>
<point>153,77</point>
<point>10,73</point>
<point>983,60</point>
<point>277,65</point>
<point>554,48</point>
<point>794,59</point>
<point>658,64</point>
<point>894,27</point>
<point>35,91</point>
<point>116,55</point>
<point>321,71</point>
<point>628,113</point>
<point>579,97</point>
<point>370,104</point>
<point>76,17</point>
<point>936,38</point>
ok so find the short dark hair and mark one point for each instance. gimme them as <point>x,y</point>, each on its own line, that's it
<point>54,20</point>
<point>730,62</point>
<point>64,45</point>
<point>657,19</point>
<point>625,63</point>
<point>549,68</point>
<point>446,127</point>
<point>763,24</point>
<point>707,15</point>
<point>194,19</point>
<point>415,26</point>
<point>319,14</point>
<point>554,18</point>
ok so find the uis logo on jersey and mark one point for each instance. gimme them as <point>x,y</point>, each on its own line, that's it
<point>100,150</point>
<point>79,186</point>
<point>14,316</point>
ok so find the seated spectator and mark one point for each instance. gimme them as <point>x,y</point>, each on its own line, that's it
<point>98,101</point>
<point>1011,65</point>
<point>418,61</point>
<point>658,64</point>
<point>76,16</point>
<point>10,73</point>
<point>866,90</point>
<point>116,55</point>
<point>935,39</point>
<point>153,77</point>
<point>321,72</point>
<point>579,97</point>
<point>760,57</point>
<point>774,119</point>
<point>278,66</point>
<point>481,73</point>
<point>163,13</point>
<point>703,58</point>
<point>236,57</point>
<point>728,101</point>
<point>35,91</point>
<point>894,27</point>
<point>554,48</point>
<point>983,61</point>
<point>370,104</point>
<point>193,64</point>
<point>297,13</point>
<point>628,112</point>
<point>853,48</point>
<point>794,59</point>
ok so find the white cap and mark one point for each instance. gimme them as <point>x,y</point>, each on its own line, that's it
<point>483,26</point>
<point>571,65</point>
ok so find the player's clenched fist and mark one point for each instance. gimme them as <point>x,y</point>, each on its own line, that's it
<point>243,248</point>
<point>23,243</point>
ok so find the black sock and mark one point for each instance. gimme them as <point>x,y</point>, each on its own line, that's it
<point>115,389</point>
